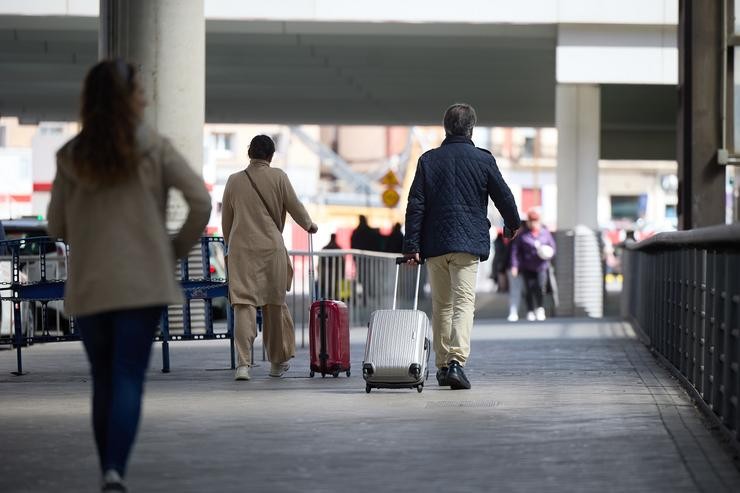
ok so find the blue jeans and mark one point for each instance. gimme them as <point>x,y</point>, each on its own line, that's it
<point>118,345</point>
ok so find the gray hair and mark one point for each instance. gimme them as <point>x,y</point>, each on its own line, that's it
<point>460,119</point>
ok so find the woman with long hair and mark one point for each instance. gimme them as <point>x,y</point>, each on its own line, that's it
<point>108,203</point>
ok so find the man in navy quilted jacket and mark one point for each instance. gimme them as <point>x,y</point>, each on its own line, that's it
<point>447,224</point>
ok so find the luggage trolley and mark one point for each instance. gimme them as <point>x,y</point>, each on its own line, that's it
<point>28,281</point>
<point>205,287</point>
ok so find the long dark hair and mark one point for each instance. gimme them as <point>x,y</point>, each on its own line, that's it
<point>105,152</point>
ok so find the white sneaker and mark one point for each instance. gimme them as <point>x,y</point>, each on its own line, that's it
<point>531,316</point>
<point>513,317</point>
<point>277,370</point>
<point>540,315</point>
<point>112,481</point>
<point>242,373</point>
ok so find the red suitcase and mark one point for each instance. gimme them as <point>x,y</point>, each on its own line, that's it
<point>329,338</point>
<point>328,330</point>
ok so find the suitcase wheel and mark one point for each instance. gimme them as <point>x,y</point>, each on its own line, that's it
<point>311,374</point>
<point>368,388</point>
<point>420,387</point>
<point>348,373</point>
<point>335,374</point>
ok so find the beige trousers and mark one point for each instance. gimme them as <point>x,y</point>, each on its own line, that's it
<point>452,278</point>
<point>277,333</point>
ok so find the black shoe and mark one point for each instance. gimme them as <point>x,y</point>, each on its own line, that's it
<point>114,487</point>
<point>456,377</point>
<point>442,377</point>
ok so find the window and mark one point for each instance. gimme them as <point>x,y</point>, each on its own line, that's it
<point>223,143</point>
<point>528,147</point>
<point>731,132</point>
<point>735,106</point>
<point>671,215</point>
<point>528,151</point>
<point>50,130</point>
<point>628,207</point>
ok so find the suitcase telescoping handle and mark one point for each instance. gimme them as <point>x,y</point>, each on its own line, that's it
<point>323,355</point>
<point>403,260</point>
<point>311,273</point>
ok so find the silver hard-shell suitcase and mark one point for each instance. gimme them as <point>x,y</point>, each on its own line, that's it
<point>398,345</point>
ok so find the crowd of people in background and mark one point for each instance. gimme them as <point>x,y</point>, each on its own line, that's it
<point>366,238</point>
<point>333,283</point>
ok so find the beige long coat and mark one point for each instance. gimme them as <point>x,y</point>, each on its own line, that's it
<point>258,263</point>
<point>121,255</point>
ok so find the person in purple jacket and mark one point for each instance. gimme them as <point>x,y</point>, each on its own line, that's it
<point>531,252</point>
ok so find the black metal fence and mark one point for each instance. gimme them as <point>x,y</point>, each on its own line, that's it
<point>33,272</point>
<point>682,292</point>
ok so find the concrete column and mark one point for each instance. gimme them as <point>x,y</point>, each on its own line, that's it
<point>701,193</point>
<point>165,39</point>
<point>578,121</point>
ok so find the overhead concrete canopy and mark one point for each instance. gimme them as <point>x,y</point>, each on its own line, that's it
<point>341,72</point>
<point>380,73</point>
<point>308,72</point>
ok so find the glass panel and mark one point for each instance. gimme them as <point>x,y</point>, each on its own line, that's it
<point>736,195</point>
<point>732,184</point>
<point>736,103</point>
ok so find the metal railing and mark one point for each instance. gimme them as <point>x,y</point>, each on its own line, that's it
<point>362,279</point>
<point>682,291</point>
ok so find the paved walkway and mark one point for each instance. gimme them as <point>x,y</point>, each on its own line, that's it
<point>559,406</point>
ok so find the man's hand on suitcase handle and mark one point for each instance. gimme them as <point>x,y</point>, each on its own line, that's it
<point>511,233</point>
<point>410,258</point>
<point>313,228</point>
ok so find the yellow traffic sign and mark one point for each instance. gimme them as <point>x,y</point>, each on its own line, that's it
<point>390,179</point>
<point>390,198</point>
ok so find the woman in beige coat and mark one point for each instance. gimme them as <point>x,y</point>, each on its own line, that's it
<point>255,203</point>
<point>108,203</point>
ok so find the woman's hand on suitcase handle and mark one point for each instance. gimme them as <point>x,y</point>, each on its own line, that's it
<point>313,228</point>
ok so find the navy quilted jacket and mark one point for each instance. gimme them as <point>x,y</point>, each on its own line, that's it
<point>448,201</point>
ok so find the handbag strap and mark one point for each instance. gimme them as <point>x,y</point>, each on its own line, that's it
<point>277,224</point>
